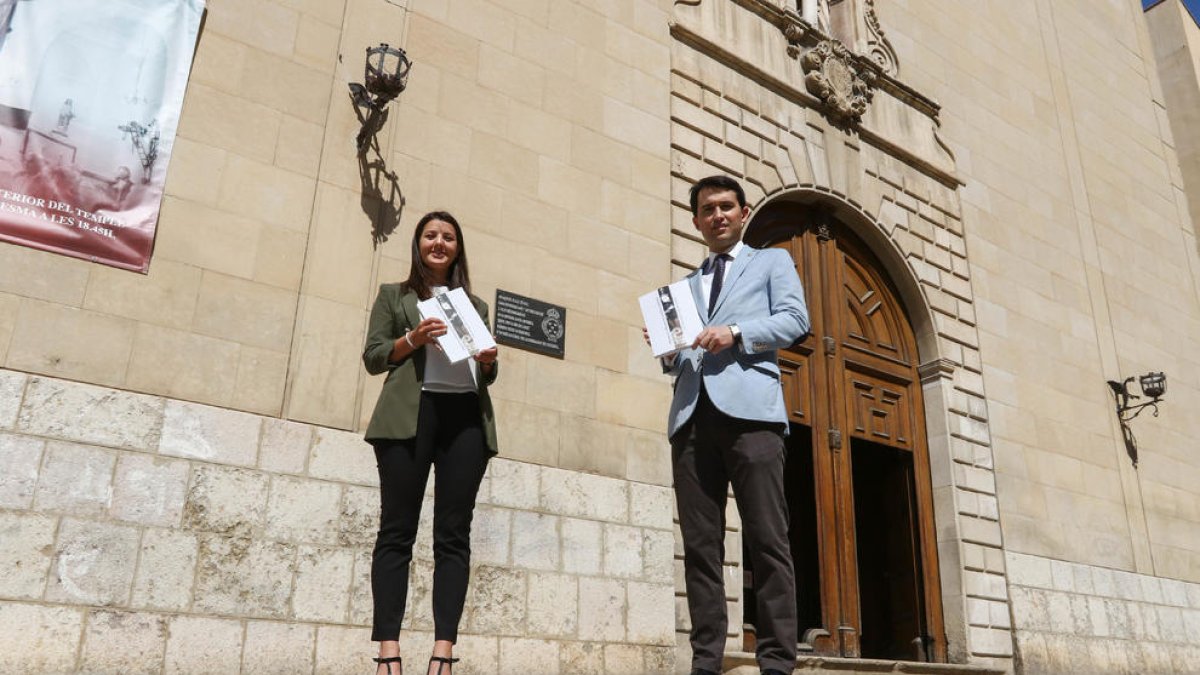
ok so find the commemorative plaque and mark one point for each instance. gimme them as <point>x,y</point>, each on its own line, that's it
<point>530,324</point>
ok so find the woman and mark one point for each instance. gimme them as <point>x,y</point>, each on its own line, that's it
<point>431,413</point>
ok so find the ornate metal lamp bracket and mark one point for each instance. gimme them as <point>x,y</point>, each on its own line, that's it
<point>1154,386</point>
<point>385,76</point>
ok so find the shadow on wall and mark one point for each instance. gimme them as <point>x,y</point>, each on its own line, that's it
<point>381,197</point>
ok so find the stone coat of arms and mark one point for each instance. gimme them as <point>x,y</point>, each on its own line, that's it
<point>839,80</point>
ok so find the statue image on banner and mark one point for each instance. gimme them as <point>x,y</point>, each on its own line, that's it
<point>90,93</point>
<point>64,118</point>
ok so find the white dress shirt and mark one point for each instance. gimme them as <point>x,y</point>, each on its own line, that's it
<point>706,280</point>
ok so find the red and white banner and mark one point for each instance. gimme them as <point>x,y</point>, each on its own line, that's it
<point>90,95</point>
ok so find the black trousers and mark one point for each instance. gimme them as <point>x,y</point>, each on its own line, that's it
<point>449,437</point>
<point>710,452</point>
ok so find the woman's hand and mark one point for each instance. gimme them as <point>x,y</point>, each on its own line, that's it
<point>487,357</point>
<point>426,332</point>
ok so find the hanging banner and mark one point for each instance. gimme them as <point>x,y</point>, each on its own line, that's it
<point>90,95</point>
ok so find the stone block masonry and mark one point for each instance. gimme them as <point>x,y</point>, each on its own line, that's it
<point>1072,617</point>
<point>150,535</point>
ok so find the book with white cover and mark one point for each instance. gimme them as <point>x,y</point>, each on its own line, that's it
<point>671,318</point>
<point>466,333</point>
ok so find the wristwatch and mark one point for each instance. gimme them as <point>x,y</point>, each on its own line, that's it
<point>736,333</point>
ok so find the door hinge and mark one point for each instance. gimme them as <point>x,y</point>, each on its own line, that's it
<point>835,439</point>
<point>830,345</point>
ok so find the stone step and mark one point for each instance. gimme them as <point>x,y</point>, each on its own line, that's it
<point>742,663</point>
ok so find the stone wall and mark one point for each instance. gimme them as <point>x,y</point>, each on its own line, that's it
<point>1175,38</point>
<point>1071,617</point>
<point>564,135</point>
<point>1026,275</point>
<point>145,534</point>
<point>1084,264</point>
<point>541,125</point>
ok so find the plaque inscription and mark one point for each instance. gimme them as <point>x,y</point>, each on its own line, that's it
<point>530,324</point>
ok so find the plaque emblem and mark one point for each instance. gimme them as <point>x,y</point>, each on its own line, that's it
<point>552,325</point>
<point>833,75</point>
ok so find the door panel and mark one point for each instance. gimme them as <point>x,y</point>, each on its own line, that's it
<point>878,410</point>
<point>805,534</point>
<point>796,378</point>
<point>870,319</point>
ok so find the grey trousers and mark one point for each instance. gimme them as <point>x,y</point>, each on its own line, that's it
<point>711,451</point>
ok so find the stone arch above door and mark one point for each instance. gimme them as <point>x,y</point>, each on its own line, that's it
<point>896,262</point>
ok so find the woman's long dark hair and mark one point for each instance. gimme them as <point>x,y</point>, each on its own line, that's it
<point>420,277</point>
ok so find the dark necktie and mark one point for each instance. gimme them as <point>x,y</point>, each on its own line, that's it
<point>718,279</point>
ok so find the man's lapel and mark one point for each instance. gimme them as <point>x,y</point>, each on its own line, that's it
<point>732,275</point>
<point>693,280</point>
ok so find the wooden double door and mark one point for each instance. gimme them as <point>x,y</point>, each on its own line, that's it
<point>859,491</point>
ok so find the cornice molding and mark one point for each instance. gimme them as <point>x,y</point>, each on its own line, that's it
<point>937,369</point>
<point>801,36</point>
<point>702,44</point>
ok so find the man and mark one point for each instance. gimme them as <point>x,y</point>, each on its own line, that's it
<point>727,425</point>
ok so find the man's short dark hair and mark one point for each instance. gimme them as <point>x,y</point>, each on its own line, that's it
<point>718,182</point>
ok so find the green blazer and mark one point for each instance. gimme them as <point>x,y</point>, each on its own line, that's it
<point>395,417</point>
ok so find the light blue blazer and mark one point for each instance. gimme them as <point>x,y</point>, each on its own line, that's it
<point>761,293</point>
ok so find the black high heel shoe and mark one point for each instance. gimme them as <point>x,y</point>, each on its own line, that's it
<point>442,662</point>
<point>388,662</point>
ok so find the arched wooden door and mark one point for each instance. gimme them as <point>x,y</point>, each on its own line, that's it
<point>858,466</point>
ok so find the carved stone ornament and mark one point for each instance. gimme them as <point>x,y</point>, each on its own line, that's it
<point>793,33</point>
<point>879,49</point>
<point>844,85</point>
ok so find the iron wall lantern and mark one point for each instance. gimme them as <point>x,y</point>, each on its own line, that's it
<point>1154,386</point>
<point>385,75</point>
